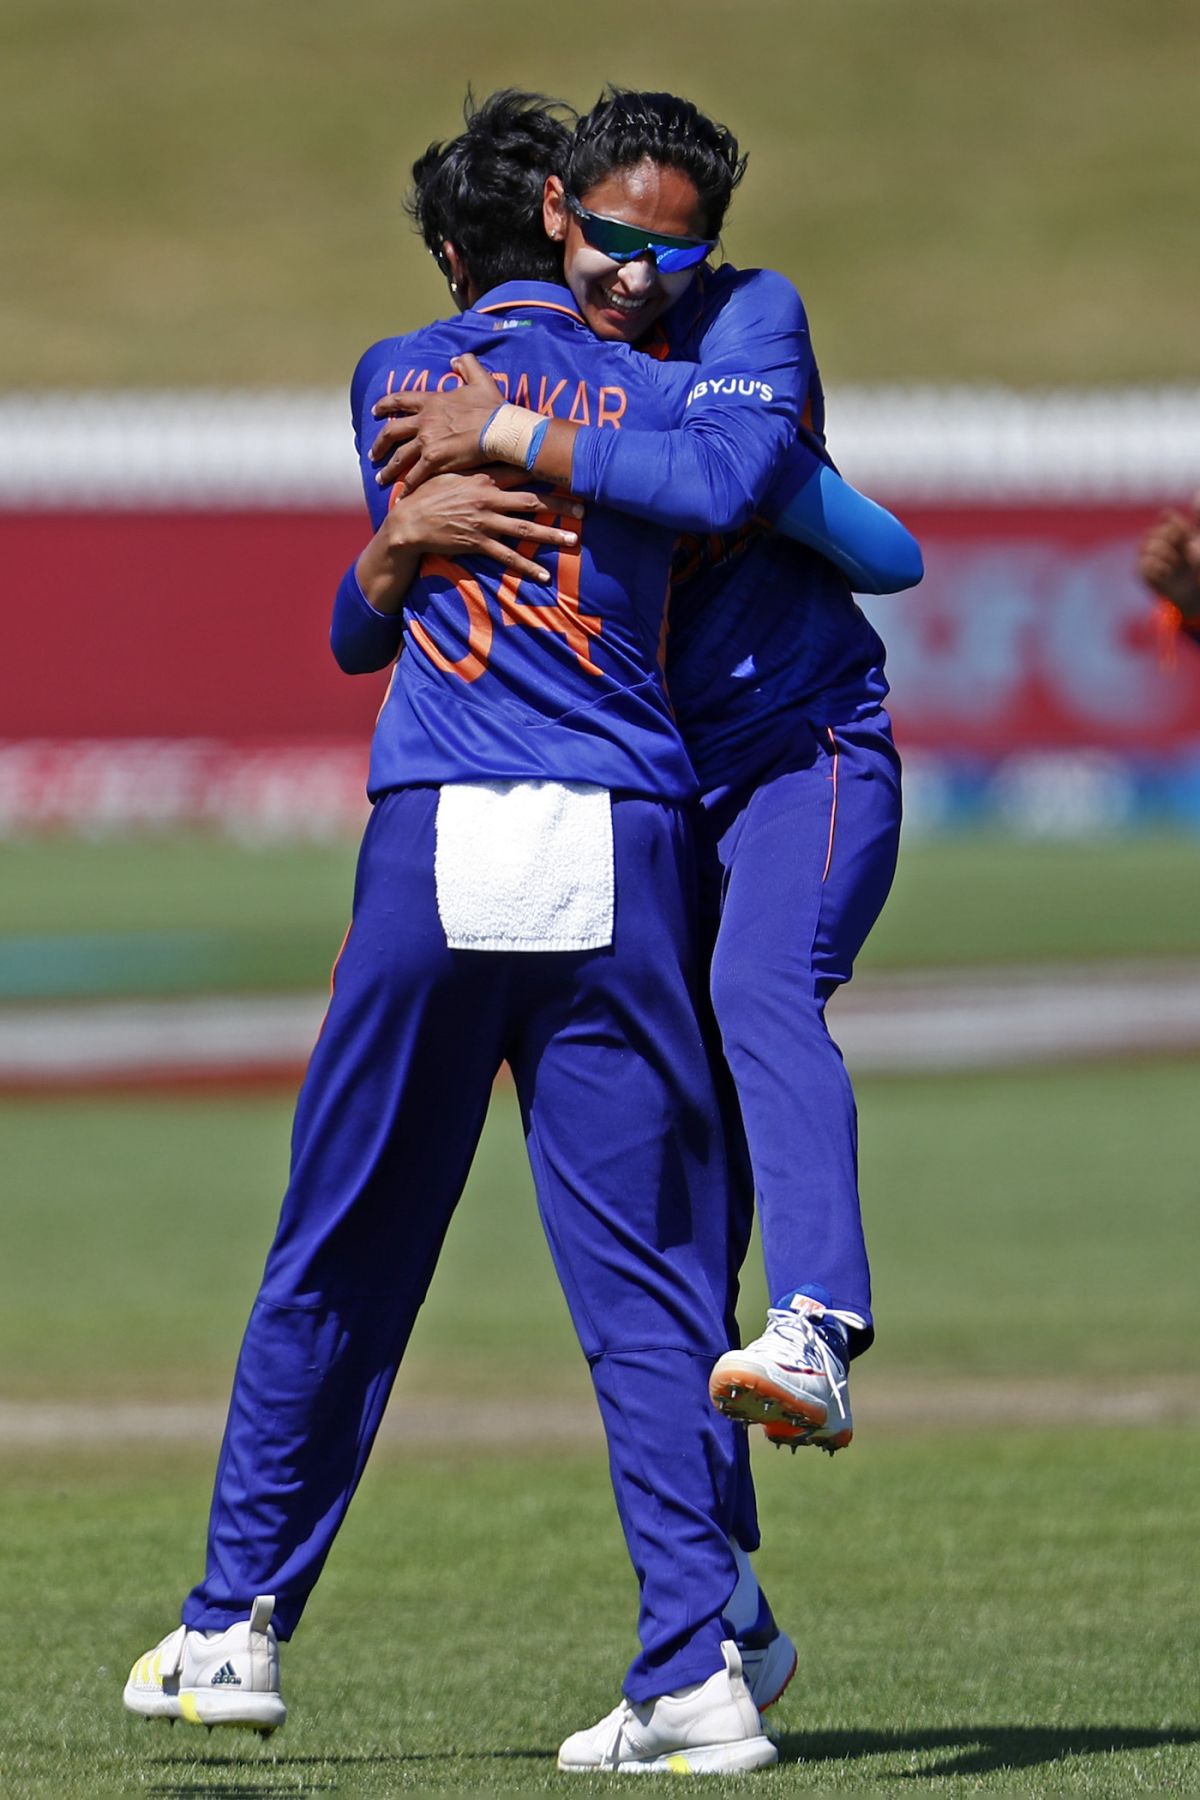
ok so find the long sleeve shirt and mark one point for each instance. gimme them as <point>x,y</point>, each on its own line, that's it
<point>506,680</point>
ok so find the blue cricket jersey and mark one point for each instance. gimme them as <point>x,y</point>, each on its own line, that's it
<point>508,680</point>
<point>762,629</point>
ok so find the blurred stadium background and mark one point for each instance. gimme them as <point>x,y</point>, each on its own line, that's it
<point>989,211</point>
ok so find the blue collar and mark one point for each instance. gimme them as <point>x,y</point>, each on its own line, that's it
<point>682,317</point>
<point>537,296</point>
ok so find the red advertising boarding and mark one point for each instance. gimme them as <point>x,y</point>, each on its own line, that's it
<point>1030,631</point>
<point>197,624</point>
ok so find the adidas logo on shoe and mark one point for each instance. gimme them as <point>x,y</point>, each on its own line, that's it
<point>228,1677</point>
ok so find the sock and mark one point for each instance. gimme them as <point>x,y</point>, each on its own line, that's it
<point>741,1610</point>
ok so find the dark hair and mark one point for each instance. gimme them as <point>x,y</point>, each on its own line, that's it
<point>482,190</point>
<point>625,128</point>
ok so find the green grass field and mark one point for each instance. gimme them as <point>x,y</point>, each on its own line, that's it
<point>982,1607</point>
<point>964,191</point>
<point>1049,1195</point>
<point>192,913</point>
<point>979,1614</point>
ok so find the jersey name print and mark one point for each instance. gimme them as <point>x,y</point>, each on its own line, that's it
<point>579,402</point>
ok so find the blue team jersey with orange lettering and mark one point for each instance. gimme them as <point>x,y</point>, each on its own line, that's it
<point>761,629</point>
<point>507,680</point>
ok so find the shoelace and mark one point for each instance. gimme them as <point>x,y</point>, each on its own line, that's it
<point>613,1754</point>
<point>800,1334</point>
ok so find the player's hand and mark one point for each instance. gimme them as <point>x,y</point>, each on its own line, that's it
<point>1169,560</point>
<point>474,514</point>
<point>433,434</point>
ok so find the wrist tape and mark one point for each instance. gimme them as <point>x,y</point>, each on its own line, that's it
<point>510,432</point>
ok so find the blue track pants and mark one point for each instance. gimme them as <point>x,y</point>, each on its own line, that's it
<point>619,1112</point>
<point>795,868</point>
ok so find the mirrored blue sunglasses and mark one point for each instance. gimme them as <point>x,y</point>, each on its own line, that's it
<point>622,243</point>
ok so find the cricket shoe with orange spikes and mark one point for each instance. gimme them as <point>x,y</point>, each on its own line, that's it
<point>796,1437</point>
<point>213,1677</point>
<point>793,1380</point>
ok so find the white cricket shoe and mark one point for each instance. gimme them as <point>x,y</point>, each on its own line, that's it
<point>793,1379</point>
<point>710,1728</point>
<point>213,1677</point>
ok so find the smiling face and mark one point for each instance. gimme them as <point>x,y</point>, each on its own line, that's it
<point>622,300</point>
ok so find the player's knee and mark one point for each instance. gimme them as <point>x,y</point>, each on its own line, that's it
<point>754,1014</point>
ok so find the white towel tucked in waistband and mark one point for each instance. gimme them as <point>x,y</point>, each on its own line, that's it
<point>525,865</point>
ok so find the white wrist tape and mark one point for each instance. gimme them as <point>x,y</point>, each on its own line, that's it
<point>508,433</point>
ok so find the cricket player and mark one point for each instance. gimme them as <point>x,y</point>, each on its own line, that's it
<point>778,684</point>
<point>524,894</point>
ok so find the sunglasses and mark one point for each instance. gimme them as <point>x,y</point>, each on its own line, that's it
<point>621,243</point>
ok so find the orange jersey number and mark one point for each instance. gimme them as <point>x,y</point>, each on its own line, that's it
<point>557,609</point>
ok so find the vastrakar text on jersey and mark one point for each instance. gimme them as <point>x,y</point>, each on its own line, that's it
<point>579,402</point>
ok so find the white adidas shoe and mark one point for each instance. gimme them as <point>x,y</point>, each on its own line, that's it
<point>213,1677</point>
<point>793,1379</point>
<point>711,1728</point>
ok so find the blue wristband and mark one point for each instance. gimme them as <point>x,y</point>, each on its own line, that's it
<point>535,442</point>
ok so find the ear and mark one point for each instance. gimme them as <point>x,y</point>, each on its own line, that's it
<point>555,216</point>
<point>456,268</point>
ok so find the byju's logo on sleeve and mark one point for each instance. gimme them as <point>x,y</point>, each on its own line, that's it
<point>739,387</point>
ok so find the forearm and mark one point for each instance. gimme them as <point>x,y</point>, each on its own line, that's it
<point>362,638</point>
<point>689,480</point>
<point>385,572</point>
<point>702,477</point>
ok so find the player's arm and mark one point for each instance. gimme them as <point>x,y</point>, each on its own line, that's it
<point>361,638</point>
<point>738,413</point>
<point>365,636</point>
<point>806,500</point>
<point>707,474</point>
<point>809,501</point>
<point>742,407</point>
<point>453,515</point>
<point>1169,562</point>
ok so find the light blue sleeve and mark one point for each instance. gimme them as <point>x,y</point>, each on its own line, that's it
<point>873,550</point>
